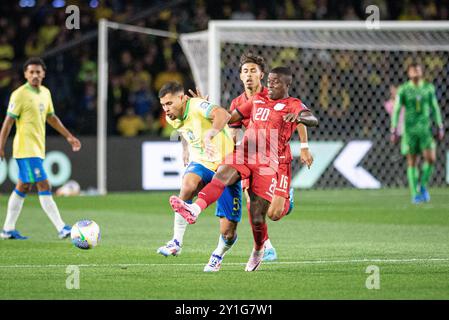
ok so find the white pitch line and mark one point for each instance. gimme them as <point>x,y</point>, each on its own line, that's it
<point>122,265</point>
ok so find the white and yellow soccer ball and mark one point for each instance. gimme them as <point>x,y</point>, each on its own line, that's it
<point>85,234</point>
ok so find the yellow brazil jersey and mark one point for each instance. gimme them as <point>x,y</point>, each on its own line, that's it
<point>30,107</point>
<point>194,125</point>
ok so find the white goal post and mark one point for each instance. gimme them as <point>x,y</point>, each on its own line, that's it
<point>102,90</point>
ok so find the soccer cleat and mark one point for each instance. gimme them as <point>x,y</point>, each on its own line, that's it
<point>292,201</point>
<point>65,232</point>
<point>255,260</point>
<point>12,235</point>
<point>184,209</point>
<point>418,199</point>
<point>214,263</point>
<point>270,255</point>
<point>171,248</point>
<point>425,194</point>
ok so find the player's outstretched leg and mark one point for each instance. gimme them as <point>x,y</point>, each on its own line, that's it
<point>15,204</point>
<point>189,212</point>
<point>52,211</point>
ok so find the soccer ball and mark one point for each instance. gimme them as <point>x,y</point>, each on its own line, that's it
<point>85,234</point>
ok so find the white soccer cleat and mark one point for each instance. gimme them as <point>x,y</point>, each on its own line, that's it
<point>214,263</point>
<point>172,248</point>
<point>255,259</point>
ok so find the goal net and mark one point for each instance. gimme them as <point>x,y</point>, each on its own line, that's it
<point>344,72</point>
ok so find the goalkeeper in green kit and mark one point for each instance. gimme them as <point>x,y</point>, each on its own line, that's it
<point>419,100</point>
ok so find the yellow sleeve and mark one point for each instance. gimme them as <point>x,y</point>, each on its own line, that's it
<point>50,107</point>
<point>202,107</point>
<point>14,106</point>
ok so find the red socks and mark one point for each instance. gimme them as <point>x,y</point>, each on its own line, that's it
<point>260,231</point>
<point>210,193</point>
<point>260,234</point>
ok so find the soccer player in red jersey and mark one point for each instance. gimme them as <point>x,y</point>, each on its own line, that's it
<point>252,68</point>
<point>273,121</point>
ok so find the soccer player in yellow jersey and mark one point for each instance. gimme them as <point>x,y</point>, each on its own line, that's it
<point>197,119</point>
<point>30,108</point>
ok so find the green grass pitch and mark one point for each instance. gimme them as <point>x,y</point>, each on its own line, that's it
<point>324,247</point>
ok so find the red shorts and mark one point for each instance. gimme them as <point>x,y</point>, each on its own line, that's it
<point>284,175</point>
<point>263,178</point>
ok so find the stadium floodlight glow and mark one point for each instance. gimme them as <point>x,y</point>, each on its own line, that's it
<point>58,3</point>
<point>27,3</point>
<point>102,90</point>
<point>93,3</point>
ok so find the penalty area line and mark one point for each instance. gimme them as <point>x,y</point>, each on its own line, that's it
<point>304,262</point>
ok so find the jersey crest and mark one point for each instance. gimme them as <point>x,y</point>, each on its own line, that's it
<point>204,105</point>
<point>279,106</point>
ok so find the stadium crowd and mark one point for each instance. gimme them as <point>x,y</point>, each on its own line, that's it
<point>140,64</point>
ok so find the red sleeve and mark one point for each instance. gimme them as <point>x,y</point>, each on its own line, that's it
<point>237,124</point>
<point>303,107</point>
<point>245,109</point>
<point>298,107</point>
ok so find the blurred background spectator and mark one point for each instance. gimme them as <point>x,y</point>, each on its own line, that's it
<point>140,64</point>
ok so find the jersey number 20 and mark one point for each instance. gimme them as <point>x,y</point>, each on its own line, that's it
<point>262,114</point>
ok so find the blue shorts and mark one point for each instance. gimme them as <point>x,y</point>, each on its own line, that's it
<point>229,205</point>
<point>31,170</point>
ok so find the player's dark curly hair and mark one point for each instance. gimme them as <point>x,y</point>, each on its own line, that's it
<point>36,61</point>
<point>171,87</point>
<point>249,57</point>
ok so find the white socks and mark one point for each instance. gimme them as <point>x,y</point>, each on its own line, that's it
<point>196,209</point>
<point>50,208</point>
<point>223,246</point>
<point>15,204</point>
<point>179,229</point>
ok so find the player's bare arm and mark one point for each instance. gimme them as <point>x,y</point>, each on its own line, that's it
<point>394,138</point>
<point>306,155</point>
<point>437,115</point>
<point>307,119</point>
<point>56,124</point>
<point>185,151</point>
<point>220,118</point>
<point>6,129</point>
<point>235,117</point>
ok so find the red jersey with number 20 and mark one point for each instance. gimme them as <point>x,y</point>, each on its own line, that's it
<point>240,100</point>
<point>267,129</point>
